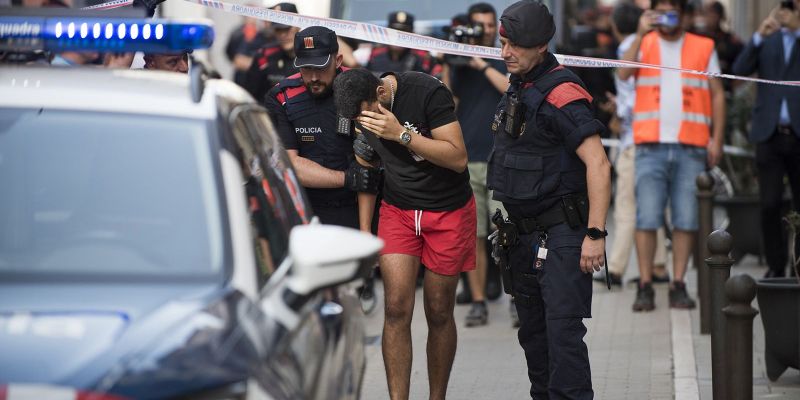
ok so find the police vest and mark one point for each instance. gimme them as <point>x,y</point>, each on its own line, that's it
<point>696,112</point>
<point>537,164</point>
<point>314,123</point>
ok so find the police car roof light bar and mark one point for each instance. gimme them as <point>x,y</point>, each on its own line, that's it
<point>58,34</point>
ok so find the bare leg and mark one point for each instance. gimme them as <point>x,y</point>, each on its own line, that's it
<point>439,297</point>
<point>477,277</point>
<point>645,251</point>
<point>399,272</point>
<point>681,250</point>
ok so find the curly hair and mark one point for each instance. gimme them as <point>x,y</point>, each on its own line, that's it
<point>351,88</point>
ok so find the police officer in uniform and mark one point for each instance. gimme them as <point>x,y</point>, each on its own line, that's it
<point>274,62</point>
<point>549,169</point>
<point>400,59</point>
<point>319,143</point>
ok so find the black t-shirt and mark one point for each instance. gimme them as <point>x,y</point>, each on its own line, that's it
<point>421,103</point>
<point>477,100</point>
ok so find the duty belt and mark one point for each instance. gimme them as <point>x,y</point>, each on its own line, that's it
<point>541,222</point>
<point>571,209</point>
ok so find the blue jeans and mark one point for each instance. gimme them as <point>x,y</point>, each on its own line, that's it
<point>664,172</point>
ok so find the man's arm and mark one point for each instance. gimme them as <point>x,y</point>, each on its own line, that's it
<point>598,184</point>
<point>632,54</point>
<point>446,147</point>
<point>498,79</point>
<point>717,121</point>
<point>313,175</point>
<point>747,61</point>
<point>366,204</point>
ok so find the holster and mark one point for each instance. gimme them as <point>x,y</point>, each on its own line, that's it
<point>507,236</point>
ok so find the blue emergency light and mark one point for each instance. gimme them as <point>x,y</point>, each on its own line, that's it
<point>59,34</point>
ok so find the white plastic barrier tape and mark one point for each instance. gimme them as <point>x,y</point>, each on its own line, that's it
<point>380,34</point>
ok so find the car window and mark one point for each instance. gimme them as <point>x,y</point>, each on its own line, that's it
<point>276,202</point>
<point>100,193</point>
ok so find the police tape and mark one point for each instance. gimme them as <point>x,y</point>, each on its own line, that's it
<point>379,34</point>
<point>109,5</point>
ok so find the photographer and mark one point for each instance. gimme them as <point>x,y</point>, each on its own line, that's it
<point>478,85</point>
<point>678,126</point>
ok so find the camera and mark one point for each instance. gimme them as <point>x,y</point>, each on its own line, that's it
<point>669,19</point>
<point>463,33</point>
<point>461,30</point>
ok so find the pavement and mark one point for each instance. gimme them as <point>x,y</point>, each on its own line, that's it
<point>655,355</point>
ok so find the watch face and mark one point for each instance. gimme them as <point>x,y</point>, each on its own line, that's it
<point>405,137</point>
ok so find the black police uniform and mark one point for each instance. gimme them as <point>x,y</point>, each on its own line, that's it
<point>381,62</point>
<point>534,170</point>
<point>309,125</point>
<point>271,65</point>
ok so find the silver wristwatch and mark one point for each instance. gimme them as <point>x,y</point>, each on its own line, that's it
<point>405,137</point>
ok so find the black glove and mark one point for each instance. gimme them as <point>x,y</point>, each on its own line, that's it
<point>362,179</point>
<point>362,149</point>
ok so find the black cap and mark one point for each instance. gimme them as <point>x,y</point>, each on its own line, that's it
<point>401,21</point>
<point>314,47</point>
<point>287,7</point>
<point>527,23</point>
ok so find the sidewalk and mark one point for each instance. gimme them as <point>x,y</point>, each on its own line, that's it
<point>633,355</point>
<point>786,387</point>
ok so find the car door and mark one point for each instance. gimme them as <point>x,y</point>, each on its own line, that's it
<point>337,310</point>
<point>276,204</point>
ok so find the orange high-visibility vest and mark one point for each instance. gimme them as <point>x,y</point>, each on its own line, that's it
<point>696,114</point>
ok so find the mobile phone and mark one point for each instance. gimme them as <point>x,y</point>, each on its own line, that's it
<point>669,19</point>
<point>788,4</point>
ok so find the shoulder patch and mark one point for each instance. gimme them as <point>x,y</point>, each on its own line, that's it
<point>566,93</point>
<point>421,53</point>
<point>378,51</point>
<point>270,51</point>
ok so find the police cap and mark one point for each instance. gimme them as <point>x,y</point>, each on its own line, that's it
<point>401,21</point>
<point>314,47</point>
<point>527,23</point>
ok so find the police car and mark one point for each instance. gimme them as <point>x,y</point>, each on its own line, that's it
<point>154,239</point>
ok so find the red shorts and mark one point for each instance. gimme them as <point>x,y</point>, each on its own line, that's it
<point>444,240</point>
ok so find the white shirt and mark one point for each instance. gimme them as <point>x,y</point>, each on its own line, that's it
<point>671,103</point>
<point>626,98</point>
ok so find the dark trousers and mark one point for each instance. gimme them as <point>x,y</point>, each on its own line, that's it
<point>776,158</point>
<point>342,216</point>
<point>551,304</point>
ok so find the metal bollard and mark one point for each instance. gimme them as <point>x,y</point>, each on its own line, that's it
<point>719,264</point>
<point>740,291</point>
<point>705,196</point>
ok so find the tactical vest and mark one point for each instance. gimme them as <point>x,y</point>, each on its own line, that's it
<point>537,164</point>
<point>314,122</point>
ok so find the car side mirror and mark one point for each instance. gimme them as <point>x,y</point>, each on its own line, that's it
<point>324,256</point>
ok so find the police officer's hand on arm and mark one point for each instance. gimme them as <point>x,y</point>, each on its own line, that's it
<point>598,184</point>
<point>446,147</point>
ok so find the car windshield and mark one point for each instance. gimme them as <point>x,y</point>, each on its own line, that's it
<point>98,194</point>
